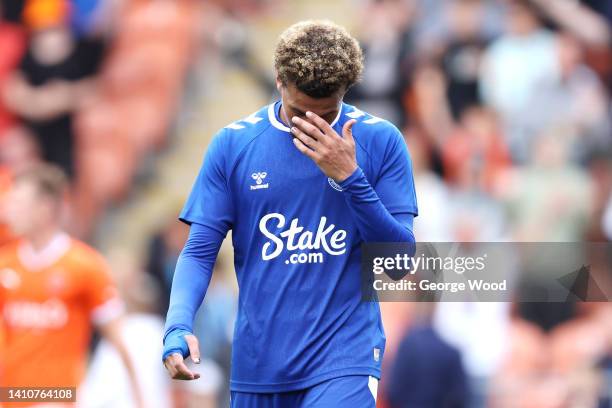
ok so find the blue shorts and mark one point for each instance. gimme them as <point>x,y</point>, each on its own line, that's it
<point>355,391</point>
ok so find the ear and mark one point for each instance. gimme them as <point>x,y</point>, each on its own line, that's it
<point>279,84</point>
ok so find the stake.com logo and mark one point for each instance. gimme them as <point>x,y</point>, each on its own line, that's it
<point>299,242</point>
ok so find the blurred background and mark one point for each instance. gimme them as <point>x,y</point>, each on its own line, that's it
<point>505,107</point>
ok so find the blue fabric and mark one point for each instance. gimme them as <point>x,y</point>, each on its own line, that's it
<point>297,239</point>
<point>342,392</point>
<point>174,342</point>
<point>374,222</point>
<point>83,14</point>
<point>189,284</point>
<point>427,372</point>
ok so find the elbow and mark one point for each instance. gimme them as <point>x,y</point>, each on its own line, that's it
<point>410,236</point>
<point>406,235</point>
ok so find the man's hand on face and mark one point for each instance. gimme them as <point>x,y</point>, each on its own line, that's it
<point>175,362</point>
<point>335,155</point>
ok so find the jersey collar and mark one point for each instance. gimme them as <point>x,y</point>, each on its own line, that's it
<point>51,253</point>
<point>272,116</point>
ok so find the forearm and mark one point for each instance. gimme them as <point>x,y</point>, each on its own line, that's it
<point>374,222</point>
<point>192,276</point>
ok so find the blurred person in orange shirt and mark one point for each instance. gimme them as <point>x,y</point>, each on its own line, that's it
<point>5,185</point>
<point>52,288</point>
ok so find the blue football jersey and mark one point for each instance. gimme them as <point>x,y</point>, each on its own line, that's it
<point>300,318</point>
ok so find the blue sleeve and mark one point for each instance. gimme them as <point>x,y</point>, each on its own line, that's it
<point>395,182</point>
<point>384,214</point>
<point>209,212</point>
<point>210,202</point>
<point>189,284</point>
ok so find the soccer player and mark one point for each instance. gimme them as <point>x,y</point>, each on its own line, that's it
<point>52,288</point>
<point>302,184</point>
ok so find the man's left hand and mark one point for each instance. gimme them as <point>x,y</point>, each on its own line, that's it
<point>335,155</point>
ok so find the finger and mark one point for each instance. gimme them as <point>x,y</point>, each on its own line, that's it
<point>194,347</point>
<point>321,123</point>
<point>347,130</point>
<point>184,373</point>
<point>308,128</point>
<point>304,149</point>
<point>170,368</point>
<point>171,362</point>
<point>305,139</point>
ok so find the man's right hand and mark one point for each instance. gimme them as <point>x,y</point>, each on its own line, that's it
<point>178,345</point>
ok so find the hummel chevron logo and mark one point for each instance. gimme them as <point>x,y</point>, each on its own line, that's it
<point>259,177</point>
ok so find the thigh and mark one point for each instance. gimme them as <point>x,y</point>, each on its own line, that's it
<point>343,392</point>
<point>265,400</point>
<point>250,400</point>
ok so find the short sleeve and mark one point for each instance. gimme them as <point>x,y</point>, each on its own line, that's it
<point>102,296</point>
<point>395,183</point>
<point>209,202</point>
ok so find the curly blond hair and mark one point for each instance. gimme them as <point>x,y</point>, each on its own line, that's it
<point>319,57</point>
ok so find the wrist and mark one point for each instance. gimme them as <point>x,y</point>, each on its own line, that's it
<point>174,342</point>
<point>355,175</point>
<point>340,178</point>
<point>174,328</point>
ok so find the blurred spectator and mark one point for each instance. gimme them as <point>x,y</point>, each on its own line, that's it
<point>18,151</point>
<point>142,293</point>
<point>164,250</point>
<point>12,44</point>
<point>434,25</point>
<point>12,10</point>
<point>427,105</point>
<point>462,54</point>
<point>387,43</point>
<point>52,80</point>
<point>585,19</point>
<point>607,219</point>
<point>552,198</point>
<point>106,371</point>
<point>475,216</point>
<point>54,334</point>
<point>479,331</point>
<point>576,97</point>
<point>427,371</point>
<point>556,369</point>
<point>515,67</point>
<point>599,167</point>
<point>433,223</point>
<point>475,148</point>
<point>583,341</point>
